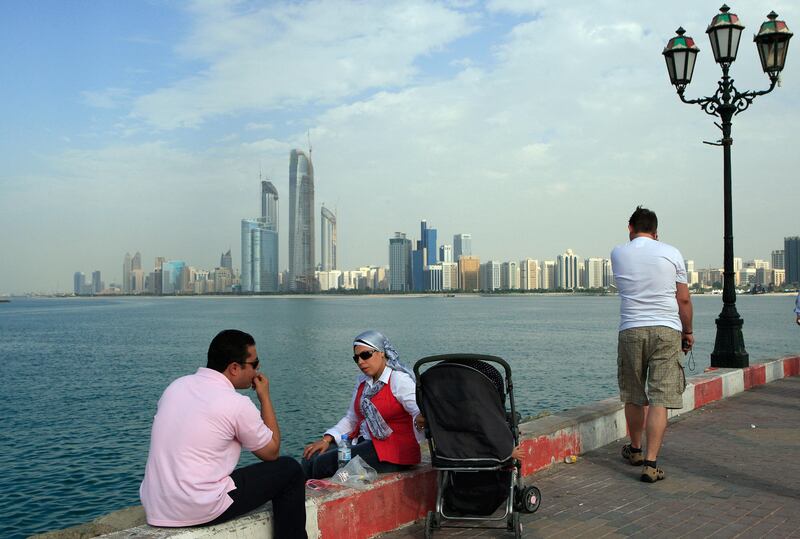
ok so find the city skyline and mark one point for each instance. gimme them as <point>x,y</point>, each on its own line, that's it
<point>532,125</point>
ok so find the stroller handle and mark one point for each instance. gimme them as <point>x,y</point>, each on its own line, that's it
<point>452,357</point>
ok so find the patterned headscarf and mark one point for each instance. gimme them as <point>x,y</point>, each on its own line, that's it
<point>377,341</point>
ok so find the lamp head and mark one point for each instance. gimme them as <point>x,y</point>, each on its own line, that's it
<point>680,54</point>
<point>772,41</point>
<point>724,33</point>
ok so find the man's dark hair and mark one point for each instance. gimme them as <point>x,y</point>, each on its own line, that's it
<point>229,346</point>
<point>643,220</point>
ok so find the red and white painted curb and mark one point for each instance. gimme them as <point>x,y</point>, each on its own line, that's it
<point>399,499</point>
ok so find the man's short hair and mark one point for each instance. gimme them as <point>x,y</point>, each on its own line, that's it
<point>643,220</point>
<point>229,346</point>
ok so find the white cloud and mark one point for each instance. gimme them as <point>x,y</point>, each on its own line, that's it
<point>283,56</point>
<point>108,98</point>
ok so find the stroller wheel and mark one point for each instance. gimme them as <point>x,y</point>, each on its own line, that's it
<point>431,523</point>
<point>531,499</point>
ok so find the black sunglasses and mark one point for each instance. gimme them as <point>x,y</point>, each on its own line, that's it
<point>365,355</point>
<point>253,363</point>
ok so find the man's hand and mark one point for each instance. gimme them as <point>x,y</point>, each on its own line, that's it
<point>261,385</point>
<point>419,422</point>
<point>319,446</point>
<point>687,342</point>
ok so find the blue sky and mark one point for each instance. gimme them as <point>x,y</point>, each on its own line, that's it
<point>536,126</point>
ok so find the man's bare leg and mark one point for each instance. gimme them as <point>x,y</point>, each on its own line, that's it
<point>635,418</point>
<point>656,426</point>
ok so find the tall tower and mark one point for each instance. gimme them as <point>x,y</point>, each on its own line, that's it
<point>327,239</point>
<point>399,263</point>
<point>462,246</point>
<point>301,222</point>
<point>269,205</point>
<point>791,259</point>
<point>126,273</point>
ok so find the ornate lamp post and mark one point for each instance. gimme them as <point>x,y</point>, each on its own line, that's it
<point>680,53</point>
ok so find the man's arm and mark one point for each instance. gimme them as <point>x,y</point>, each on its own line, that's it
<point>685,313</point>
<point>272,450</point>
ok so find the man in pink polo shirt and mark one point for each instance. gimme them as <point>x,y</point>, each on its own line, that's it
<point>199,429</point>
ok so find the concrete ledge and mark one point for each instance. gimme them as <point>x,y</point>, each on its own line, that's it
<point>398,499</point>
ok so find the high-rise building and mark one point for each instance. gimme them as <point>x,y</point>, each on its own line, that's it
<point>567,270</point>
<point>449,276</point>
<point>399,263</point>
<point>791,259</point>
<point>226,261</point>
<point>126,274</point>
<point>428,241</point>
<point>777,259</point>
<point>548,281</point>
<point>136,261</point>
<point>509,275</point>
<point>97,282</point>
<point>259,257</point>
<point>446,253</point>
<point>468,273</point>
<point>269,205</point>
<point>608,274</point>
<point>327,237</point>
<point>529,274</point>
<point>301,222</point>
<point>462,246</point>
<point>594,272</point>
<point>172,277</point>
<point>78,282</point>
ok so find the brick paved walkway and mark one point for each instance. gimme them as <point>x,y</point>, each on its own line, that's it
<point>733,470</point>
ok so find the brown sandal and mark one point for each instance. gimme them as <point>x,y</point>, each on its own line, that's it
<point>633,458</point>
<point>651,475</point>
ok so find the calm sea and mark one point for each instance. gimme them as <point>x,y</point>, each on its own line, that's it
<point>81,377</point>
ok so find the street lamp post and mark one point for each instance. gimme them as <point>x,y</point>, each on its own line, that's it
<point>680,53</point>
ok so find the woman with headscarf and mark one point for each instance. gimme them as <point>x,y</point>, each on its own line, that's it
<point>383,420</point>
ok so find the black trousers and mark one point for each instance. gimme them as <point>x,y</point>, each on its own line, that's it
<point>279,480</point>
<point>325,464</point>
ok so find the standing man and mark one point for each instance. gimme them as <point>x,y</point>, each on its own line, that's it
<point>655,327</point>
<point>797,308</point>
<point>199,429</point>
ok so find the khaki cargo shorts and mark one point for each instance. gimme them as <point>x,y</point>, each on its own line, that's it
<point>651,355</point>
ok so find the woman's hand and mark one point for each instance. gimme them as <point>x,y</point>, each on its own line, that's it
<point>419,422</point>
<point>320,446</point>
<point>518,453</point>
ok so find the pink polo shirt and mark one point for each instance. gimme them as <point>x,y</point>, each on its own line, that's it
<point>199,430</point>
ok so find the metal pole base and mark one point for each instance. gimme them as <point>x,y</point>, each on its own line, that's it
<point>729,351</point>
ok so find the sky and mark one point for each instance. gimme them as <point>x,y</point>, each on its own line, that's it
<point>535,126</point>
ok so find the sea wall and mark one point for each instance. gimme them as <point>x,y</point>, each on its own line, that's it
<point>397,499</point>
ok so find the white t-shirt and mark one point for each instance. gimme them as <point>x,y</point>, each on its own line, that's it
<point>646,272</point>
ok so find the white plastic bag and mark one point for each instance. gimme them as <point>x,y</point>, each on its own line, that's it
<point>356,473</point>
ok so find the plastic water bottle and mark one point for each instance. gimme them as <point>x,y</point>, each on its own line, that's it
<point>344,450</point>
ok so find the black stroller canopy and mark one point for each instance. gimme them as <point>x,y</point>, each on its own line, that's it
<point>465,412</point>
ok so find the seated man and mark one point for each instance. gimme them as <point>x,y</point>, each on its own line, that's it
<point>198,431</point>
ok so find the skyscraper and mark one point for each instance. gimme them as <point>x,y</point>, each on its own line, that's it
<point>78,282</point>
<point>567,274</point>
<point>428,242</point>
<point>301,222</point>
<point>136,261</point>
<point>468,273</point>
<point>462,246</point>
<point>446,253</point>
<point>226,261</point>
<point>594,272</point>
<point>791,259</point>
<point>327,239</point>
<point>529,274</point>
<point>399,263</point>
<point>97,283</point>
<point>126,274</point>
<point>259,257</point>
<point>269,205</point>
<point>777,259</point>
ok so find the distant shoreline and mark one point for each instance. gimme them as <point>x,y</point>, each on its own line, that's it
<point>447,295</point>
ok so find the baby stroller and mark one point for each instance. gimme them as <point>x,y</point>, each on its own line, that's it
<point>471,436</point>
